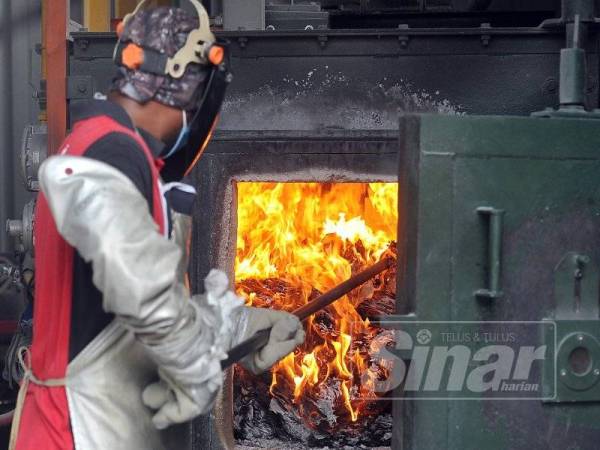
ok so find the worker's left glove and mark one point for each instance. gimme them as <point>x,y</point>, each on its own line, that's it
<point>176,397</point>
<point>172,399</point>
<point>286,334</point>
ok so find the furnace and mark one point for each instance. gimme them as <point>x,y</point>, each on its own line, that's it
<point>290,215</point>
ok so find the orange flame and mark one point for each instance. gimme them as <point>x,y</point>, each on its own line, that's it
<point>296,240</point>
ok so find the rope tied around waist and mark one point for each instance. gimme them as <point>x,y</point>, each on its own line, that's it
<point>24,357</point>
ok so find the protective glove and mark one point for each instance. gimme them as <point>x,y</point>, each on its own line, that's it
<point>182,394</point>
<point>286,334</point>
<point>177,401</point>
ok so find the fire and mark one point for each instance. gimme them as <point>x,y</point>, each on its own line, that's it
<point>297,240</point>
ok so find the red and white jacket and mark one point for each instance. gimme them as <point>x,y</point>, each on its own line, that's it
<point>95,227</point>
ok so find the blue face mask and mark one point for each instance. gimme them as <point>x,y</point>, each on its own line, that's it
<point>182,139</point>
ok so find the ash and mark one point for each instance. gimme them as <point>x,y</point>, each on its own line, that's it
<point>326,98</point>
<point>265,422</point>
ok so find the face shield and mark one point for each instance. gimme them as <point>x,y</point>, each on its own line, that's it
<point>202,120</point>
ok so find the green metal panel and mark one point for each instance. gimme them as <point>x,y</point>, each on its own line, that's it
<point>545,175</point>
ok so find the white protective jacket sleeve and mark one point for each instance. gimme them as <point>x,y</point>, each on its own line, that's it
<point>100,212</point>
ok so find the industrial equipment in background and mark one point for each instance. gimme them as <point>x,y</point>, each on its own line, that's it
<point>17,290</point>
<point>346,14</point>
<point>17,277</point>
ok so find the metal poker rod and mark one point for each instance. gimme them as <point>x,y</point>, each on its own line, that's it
<point>260,339</point>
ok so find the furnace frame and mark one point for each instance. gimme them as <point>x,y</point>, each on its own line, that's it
<point>325,156</point>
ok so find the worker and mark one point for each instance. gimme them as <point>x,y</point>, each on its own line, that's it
<point>121,351</point>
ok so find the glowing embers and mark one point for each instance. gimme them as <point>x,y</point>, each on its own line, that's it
<point>295,241</point>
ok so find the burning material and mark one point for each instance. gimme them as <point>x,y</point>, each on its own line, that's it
<point>261,338</point>
<point>296,241</point>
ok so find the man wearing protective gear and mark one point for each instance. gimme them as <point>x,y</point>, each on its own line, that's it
<point>120,350</point>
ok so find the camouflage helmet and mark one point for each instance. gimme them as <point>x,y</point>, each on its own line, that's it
<point>164,30</point>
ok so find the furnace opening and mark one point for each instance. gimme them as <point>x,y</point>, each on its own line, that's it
<point>294,242</point>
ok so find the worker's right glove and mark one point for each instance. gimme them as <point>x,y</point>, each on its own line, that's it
<point>286,334</point>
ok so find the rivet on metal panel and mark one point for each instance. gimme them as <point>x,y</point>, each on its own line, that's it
<point>83,44</point>
<point>550,85</point>
<point>79,87</point>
